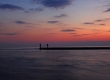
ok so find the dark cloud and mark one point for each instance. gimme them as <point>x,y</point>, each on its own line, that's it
<point>54,3</point>
<point>108,10</point>
<point>53,22</point>
<point>60,16</point>
<point>88,23</point>
<point>99,20</point>
<point>68,30</point>
<point>107,18</point>
<point>21,22</point>
<point>34,10</point>
<point>102,20</point>
<point>10,7</point>
<point>79,28</point>
<point>81,34</point>
<point>102,24</point>
<point>109,31</point>
<point>9,34</point>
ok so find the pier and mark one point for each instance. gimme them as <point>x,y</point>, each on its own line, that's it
<point>74,48</point>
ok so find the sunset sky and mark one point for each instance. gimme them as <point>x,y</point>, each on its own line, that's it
<point>30,22</point>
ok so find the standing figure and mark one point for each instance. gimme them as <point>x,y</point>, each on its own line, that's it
<point>47,46</point>
<point>40,46</point>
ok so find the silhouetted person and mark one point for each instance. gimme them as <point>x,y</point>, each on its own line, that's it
<point>40,46</point>
<point>47,45</point>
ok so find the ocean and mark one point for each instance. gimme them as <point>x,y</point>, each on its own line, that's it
<point>33,64</point>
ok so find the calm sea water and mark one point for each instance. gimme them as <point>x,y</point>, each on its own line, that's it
<point>31,64</point>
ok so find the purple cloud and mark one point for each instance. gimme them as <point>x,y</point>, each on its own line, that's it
<point>108,10</point>
<point>21,22</point>
<point>53,22</point>
<point>68,30</point>
<point>102,24</point>
<point>54,3</point>
<point>34,10</point>
<point>60,16</point>
<point>10,7</point>
<point>99,20</point>
<point>88,23</point>
<point>9,34</point>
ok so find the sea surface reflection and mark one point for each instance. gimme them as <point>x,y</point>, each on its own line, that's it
<point>54,65</point>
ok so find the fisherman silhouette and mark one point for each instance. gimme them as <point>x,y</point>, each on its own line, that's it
<point>47,45</point>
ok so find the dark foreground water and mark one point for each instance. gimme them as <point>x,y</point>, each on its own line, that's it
<point>54,65</point>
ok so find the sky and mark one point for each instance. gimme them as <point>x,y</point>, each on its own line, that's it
<point>57,22</point>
